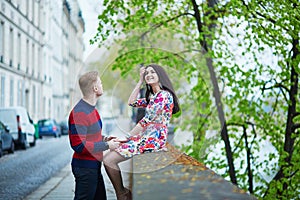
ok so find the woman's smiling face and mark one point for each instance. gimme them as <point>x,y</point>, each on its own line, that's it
<point>151,76</point>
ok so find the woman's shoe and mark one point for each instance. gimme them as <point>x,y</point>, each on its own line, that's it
<point>125,196</point>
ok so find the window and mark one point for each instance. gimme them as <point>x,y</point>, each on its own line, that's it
<point>27,56</point>
<point>19,93</point>
<point>19,51</point>
<point>44,105</point>
<point>34,99</point>
<point>11,46</point>
<point>26,98</point>
<point>33,10</point>
<point>1,41</point>
<point>39,10</point>
<point>27,7</point>
<point>39,63</point>
<point>3,7</point>
<point>33,60</point>
<point>18,4</point>
<point>7,116</point>
<point>2,99</point>
<point>49,107</point>
<point>11,92</point>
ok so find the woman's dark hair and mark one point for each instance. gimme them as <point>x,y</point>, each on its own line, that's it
<point>165,84</point>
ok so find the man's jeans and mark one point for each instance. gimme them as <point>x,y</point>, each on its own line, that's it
<point>89,184</point>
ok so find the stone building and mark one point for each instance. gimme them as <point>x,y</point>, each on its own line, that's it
<point>41,49</point>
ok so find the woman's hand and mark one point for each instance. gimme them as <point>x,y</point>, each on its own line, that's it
<point>136,130</point>
<point>134,94</point>
<point>142,72</point>
<point>113,144</point>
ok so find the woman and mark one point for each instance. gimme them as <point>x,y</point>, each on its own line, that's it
<point>150,133</point>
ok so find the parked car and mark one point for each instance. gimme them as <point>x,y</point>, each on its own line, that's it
<point>20,125</point>
<point>49,127</point>
<point>6,140</point>
<point>64,127</point>
<point>108,125</point>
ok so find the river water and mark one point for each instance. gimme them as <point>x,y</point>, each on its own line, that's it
<point>215,151</point>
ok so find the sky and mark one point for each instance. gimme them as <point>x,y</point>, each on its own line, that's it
<point>90,11</point>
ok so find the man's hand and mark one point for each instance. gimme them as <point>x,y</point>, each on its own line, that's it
<point>113,144</point>
<point>122,140</point>
<point>109,138</point>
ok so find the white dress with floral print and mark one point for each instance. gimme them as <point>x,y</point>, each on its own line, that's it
<point>154,135</point>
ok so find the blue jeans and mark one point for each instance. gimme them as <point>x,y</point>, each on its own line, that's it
<point>89,184</point>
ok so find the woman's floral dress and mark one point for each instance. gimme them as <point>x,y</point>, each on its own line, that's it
<point>154,135</point>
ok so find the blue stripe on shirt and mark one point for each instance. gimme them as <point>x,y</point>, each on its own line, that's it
<point>78,148</point>
<point>86,163</point>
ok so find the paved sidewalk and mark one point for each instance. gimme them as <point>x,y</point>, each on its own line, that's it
<point>62,185</point>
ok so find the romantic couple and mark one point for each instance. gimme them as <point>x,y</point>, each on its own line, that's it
<point>149,135</point>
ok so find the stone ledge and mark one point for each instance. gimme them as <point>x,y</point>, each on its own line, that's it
<point>173,175</point>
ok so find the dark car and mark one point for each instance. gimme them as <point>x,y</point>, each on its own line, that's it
<point>64,127</point>
<point>49,127</point>
<point>6,140</point>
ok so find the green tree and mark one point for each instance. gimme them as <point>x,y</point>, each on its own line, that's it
<point>188,19</point>
<point>271,29</point>
<point>191,36</point>
<point>112,82</point>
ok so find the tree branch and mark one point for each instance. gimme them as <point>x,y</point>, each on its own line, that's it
<point>253,128</point>
<point>199,24</point>
<point>276,102</point>
<point>155,26</point>
<point>236,124</point>
<point>277,85</point>
<point>181,52</point>
<point>296,114</point>
<point>260,24</point>
<point>175,54</point>
<point>262,15</point>
<point>248,154</point>
<point>295,126</point>
<point>255,134</point>
<point>204,121</point>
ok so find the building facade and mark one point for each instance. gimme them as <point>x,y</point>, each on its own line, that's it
<point>41,49</point>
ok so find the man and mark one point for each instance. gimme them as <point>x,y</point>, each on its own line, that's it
<point>85,134</point>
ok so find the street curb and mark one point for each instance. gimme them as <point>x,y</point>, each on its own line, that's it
<point>50,185</point>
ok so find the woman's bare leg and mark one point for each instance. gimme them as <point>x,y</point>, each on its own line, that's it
<point>112,168</point>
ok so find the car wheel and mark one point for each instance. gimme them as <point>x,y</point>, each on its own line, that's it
<point>12,147</point>
<point>32,144</point>
<point>24,145</point>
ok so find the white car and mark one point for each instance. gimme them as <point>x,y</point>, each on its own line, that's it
<point>20,125</point>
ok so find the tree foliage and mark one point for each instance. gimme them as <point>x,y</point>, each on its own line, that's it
<point>253,49</point>
<point>267,35</point>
